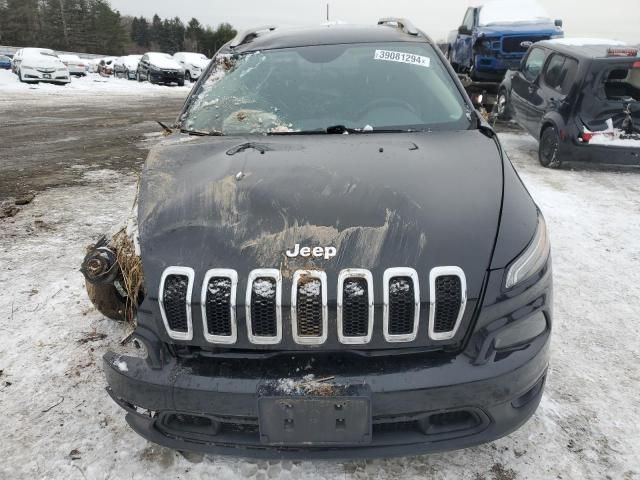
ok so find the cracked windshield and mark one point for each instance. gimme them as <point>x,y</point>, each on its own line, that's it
<point>361,87</point>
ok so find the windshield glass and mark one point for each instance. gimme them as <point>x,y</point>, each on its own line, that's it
<point>399,86</point>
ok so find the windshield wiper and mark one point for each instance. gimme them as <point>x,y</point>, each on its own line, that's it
<point>342,130</point>
<point>202,133</point>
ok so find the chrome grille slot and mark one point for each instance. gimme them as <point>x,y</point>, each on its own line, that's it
<point>448,298</point>
<point>174,297</point>
<point>218,301</point>
<point>309,307</point>
<point>355,306</point>
<point>264,317</point>
<point>401,304</point>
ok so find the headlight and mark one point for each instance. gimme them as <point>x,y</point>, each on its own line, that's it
<point>532,259</point>
<point>153,68</point>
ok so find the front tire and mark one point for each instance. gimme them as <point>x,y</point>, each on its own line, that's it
<point>138,77</point>
<point>187,77</point>
<point>549,148</point>
<point>503,106</point>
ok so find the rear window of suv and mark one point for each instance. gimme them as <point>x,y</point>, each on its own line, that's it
<point>399,86</point>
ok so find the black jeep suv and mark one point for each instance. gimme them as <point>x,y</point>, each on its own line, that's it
<point>580,98</point>
<point>339,259</point>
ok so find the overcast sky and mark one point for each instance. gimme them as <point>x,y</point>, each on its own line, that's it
<point>616,19</point>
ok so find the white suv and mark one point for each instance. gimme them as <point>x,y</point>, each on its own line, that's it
<point>33,65</point>
<point>193,63</point>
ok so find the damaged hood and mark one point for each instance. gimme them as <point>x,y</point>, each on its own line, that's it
<point>416,200</point>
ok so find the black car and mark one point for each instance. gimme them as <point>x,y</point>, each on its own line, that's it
<point>580,98</point>
<point>160,68</point>
<point>339,259</point>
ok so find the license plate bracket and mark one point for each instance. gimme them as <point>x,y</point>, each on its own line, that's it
<point>303,420</point>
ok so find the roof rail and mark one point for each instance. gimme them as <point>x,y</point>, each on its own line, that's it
<point>402,23</point>
<point>249,35</point>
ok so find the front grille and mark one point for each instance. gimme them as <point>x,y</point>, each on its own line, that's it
<point>264,320</point>
<point>401,306</point>
<point>355,312</point>
<point>218,306</point>
<point>515,44</point>
<point>175,302</point>
<point>263,307</point>
<point>355,309</point>
<point>448,299</point>
<point>309,307</point>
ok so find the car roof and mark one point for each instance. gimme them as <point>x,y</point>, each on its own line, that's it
<point>331,34</point>
<point>583,48</point>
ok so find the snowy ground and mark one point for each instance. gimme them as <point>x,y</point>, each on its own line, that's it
<point>59,422</point>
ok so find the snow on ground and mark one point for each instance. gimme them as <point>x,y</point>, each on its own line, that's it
<point>91,85</point>
<point>58,422</point>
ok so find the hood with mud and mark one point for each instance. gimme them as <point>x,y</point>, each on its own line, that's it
<point>382,200</point>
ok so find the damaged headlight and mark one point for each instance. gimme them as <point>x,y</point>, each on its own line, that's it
<point>532,259</point>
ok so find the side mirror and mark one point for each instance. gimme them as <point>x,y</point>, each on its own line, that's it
<point>558,23</point>
<point>464,30</point>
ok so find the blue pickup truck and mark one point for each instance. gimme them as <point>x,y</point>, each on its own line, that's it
<point>494,38</point>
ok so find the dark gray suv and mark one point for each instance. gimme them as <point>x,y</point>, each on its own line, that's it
<point>339,259</point>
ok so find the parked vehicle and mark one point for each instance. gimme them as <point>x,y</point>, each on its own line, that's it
<point>580,98</point>
<point>105,66</point>
<point>75,64</point>
<point>343,263</point>
<point>193,63</point>
<point>5,62</point>
<point>494,37</point>
<point>158,67</point>
<point>93,65</point>
<point>127,67</point>
<point>33,65</point>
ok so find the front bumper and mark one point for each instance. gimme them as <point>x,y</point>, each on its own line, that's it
<point>164,77</point>
<point>473,402</point>
<point>30,75</point>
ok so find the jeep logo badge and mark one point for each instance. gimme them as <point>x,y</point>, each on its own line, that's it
<point>526,44</point>
<point>326,252</point>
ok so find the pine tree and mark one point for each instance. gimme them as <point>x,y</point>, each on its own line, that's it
<point>193,35</point>
<point>92,26</point>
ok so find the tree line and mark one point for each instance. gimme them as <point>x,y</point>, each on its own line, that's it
<point>92,26</point>
<point>172,35</point>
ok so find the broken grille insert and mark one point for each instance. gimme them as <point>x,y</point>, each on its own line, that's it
<point>448,299</point>
<point>218,304</point>
<point>263,307</point>
<point>355,306</point>
<point>401,305</point>
<point>174,298</point>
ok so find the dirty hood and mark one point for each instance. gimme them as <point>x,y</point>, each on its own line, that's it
<point>382,200</point>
